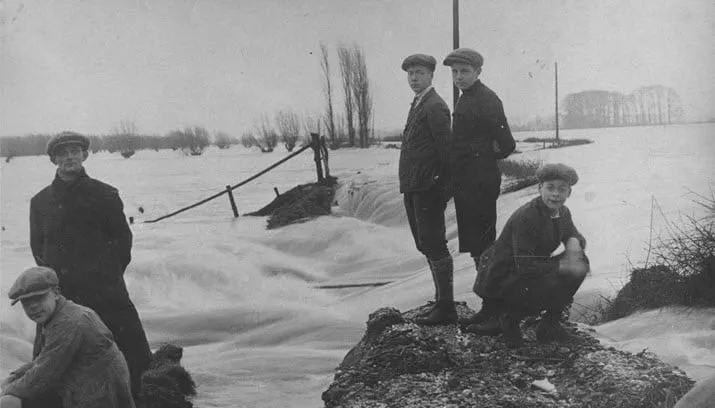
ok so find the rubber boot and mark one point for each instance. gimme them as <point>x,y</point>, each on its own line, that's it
<point>511,329</point>
<point>550,329</point>
<point>445,312</point>
<point>432,303</point>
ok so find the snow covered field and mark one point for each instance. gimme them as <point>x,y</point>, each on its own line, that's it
<point>241,299</point>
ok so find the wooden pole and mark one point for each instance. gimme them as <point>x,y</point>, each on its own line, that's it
<point>556,91</point>
<point>232,201</point>
<point>315,144</point>
<point>275,189</point>
<point>324,150</point>
<point>455,45</point>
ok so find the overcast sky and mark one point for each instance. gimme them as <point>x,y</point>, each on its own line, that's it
<point>163,64</point>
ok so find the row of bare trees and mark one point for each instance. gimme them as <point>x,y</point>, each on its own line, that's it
<point>650,105</point>
<point>125,139</point>
<point>286,127</point>
<point>357,97</point>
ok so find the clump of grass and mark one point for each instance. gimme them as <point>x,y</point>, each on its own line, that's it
<point>519,169</point>
<point>522,174</point>
<point>683,272</point>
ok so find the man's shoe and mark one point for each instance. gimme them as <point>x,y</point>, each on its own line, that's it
<point>491,308</point>
<point>550,329</point>
<point>489,327</point>
<point>444,313</point>
<point>511,330</point>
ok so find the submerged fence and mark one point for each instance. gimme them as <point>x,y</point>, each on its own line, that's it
<point>321,163</point>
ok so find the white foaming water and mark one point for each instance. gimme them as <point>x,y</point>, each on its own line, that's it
<point>242,300</point>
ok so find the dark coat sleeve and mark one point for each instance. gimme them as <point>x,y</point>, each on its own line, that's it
<point>570,230</point>
<point>499,130</point>
<point>117,229</point>
<point>440,124</point>
<point>37,238</point>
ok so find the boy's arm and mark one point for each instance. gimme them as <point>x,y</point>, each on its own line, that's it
<point>440,125</point>
<point>571,231</point>
<point>50,365</point>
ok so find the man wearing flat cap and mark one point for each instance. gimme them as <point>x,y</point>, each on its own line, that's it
<point>520,273</point>
<point>424,182</point>
<point>77,360</point>
<point>78,228</point>
<point>480,137</point>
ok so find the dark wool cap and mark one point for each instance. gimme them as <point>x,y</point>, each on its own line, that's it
<point>419,59</point>
<point>557,171</point>
<point>466,56</point>
<point>34,281</point>
<point>67,138</point>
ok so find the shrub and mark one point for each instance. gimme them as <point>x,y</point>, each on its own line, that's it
<point>683,273</point>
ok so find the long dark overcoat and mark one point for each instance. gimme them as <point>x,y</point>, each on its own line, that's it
<point>81,232</point>
<point>524,248</point>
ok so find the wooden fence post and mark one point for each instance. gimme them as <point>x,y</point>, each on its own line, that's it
<point>233,202</point>
<point>324,149</point>
<point>315,144</point>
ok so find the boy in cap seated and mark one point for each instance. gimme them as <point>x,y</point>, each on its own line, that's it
<point>78,358</point>
<point>518,276</point>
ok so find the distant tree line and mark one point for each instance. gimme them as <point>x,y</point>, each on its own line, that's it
<point>650,105</point>
<point>126,140</point>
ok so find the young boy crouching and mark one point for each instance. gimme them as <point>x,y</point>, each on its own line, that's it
<point>519,277</point>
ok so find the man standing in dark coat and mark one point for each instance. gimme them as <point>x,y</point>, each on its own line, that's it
<point>424,182</point>
<point>78,228</point>
<point>480,136</point>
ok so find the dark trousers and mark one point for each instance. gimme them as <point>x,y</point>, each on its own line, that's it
<point>425,213</point>
<point>129,335</point>
<point>475,202</point>
<point>531,294</point>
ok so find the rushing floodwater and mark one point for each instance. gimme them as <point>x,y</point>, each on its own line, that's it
<point>242,300</point>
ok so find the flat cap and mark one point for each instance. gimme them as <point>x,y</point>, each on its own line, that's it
<point>465,56</point>
<point>419,59</point>
<point>557,171</point>
<point>66,138</point>
<point>32,282</point>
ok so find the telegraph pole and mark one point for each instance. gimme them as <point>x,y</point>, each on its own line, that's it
<point>455,44</point>
<point>556,91</point>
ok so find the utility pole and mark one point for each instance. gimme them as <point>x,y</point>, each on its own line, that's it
<point>455,44</point>
<point>556,91</point>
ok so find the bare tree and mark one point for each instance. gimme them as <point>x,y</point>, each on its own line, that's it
<point>223,140</point>
<point>267,138</point>
<point>361,92</point>
<point>346,72</point>
<point>124,138</point>
<point>288,124</point>
<point>329,118</point>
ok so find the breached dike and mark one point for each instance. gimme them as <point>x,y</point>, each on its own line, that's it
<point>400,364</point>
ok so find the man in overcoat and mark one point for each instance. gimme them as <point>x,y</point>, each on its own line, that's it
<point>521,274</point>
<point>480,137</point>
<point>424,182</point>
<point>78,228</point>
<point>77,357</point>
